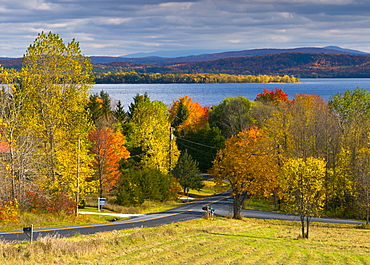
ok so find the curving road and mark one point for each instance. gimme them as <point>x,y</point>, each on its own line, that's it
<point>190,211</point>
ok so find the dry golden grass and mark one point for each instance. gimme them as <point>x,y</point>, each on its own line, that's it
<point>218,241</point>
<point>53,220</point>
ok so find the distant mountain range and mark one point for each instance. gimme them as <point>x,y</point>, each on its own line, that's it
<point>222,55</point>
<point>329,61</point>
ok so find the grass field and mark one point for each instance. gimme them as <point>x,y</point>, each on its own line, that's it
<point>218,241</point>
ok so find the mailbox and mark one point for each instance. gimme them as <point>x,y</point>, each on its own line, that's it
<point>27,229</point>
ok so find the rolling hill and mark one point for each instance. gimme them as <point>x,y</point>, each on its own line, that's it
<point>297,64</point>
<point>302,62</point>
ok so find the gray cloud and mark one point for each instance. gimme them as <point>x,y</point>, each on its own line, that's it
<point>118,27</point>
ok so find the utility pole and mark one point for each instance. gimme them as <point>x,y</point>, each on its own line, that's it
<point>78,175</point>
<point>171,140</point>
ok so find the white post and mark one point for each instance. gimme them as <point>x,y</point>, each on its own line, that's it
<point>31,239</point>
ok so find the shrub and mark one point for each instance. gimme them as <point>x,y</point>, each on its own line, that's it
<point>136,186</point>
<point>58,203</point>
<point>9,211</point>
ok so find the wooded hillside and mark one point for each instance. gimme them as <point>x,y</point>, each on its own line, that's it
<point>296,64</point>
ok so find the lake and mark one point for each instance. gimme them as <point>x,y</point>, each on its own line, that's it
<point>210,94</point>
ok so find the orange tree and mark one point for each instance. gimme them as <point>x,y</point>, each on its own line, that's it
<point>187,115</point>
<point>108,149</point>
<point>248,163</point>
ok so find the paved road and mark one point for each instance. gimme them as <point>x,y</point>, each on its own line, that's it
<point>190,211</point>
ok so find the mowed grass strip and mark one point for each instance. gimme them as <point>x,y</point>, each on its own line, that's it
<point>218,241</point>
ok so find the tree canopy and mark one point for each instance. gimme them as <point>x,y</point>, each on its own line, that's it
<point>248,163</point>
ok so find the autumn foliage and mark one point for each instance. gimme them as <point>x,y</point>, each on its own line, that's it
<point>108,149</point>
<point>187,115</point>
<point>302,185</point>
<point>57,203</point>
<point>9,211</point>
<point>275,95</point>
<point>248,163</point>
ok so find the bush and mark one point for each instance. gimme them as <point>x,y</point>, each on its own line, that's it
<point>363,226</point>
<point>58,203</point>
<point>136,186</point>
<point>9,211</point>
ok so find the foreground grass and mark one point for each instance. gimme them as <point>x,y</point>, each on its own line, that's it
<point>218,241</point>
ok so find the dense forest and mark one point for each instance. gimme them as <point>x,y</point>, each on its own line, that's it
<point>60,144</point>
<point>293,64</point>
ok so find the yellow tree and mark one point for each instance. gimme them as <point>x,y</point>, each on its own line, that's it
<point>149,136</point>
<point>302,185</point>
<point>249,163</point>
<point>363,181</point>
<point>56,78</point>
<point>352,109</point>
<point>17,141</point>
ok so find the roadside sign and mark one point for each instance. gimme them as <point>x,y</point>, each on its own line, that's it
<point>101,202</point>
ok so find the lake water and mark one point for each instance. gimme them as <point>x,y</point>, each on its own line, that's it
<point>210,94</point>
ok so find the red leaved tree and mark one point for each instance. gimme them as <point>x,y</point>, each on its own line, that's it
<point>275,95</point>
<point>108,149</point>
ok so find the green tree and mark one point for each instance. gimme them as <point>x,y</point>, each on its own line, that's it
<point>187,173</point>
<point>232,115</point>
<point>202,145</point>
<point>99,106</point>
<point>180,115</point>
<point>302,185</point>
<point>56,78</point>
<point>119,112</point>
<point>138,185</point>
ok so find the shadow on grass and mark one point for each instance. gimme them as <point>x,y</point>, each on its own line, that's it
<point>234,235</point>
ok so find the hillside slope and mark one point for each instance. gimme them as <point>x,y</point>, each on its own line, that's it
<point>313,62</point>
<point>297,64</point>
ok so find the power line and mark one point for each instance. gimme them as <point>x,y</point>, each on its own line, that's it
<point>211,155</point>
<point>197,143</point>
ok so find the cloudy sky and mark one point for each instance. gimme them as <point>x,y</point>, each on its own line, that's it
<point>120,27</point>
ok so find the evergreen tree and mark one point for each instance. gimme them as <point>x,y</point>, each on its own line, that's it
<point>187,173</point>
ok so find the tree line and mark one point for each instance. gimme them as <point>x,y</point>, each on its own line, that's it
<point>161,78</point>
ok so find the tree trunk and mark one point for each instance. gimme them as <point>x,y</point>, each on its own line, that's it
<point>237,206</point>
<point>302,226</point>
<point>307,225</point>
